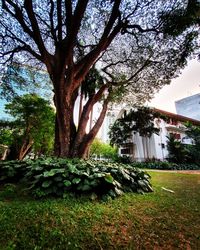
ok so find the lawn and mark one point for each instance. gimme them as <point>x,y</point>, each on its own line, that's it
<point>159,220</point>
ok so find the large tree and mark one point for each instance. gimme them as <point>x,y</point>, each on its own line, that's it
<point>122,37</point>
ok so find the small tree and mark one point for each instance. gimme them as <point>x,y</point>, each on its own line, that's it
<point>98,148</point>
<point>31,128</point>
<point>140,120</point>
<point>193,132</point>
<point>176,151</point>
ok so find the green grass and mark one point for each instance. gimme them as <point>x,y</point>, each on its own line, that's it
<point>159,220</point>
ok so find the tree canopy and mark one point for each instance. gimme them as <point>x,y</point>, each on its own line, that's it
<point>31,127</point>
<point>123,38</point>
<point>178,20</point>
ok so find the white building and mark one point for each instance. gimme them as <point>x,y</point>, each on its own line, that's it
<point>189,106</point>
<point>141,148</point>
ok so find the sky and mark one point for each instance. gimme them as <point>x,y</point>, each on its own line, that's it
<point>187,84</point>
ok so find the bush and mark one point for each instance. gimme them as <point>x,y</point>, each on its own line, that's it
<point>57,177</point>
<point>12,171</point>
<point>164,165</point>
<point>123,159</point>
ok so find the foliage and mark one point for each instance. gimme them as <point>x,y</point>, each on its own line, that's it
<point>124,223</point>
<point>98,148</point>
<point>12,171</point>
<point>57,177</point>
<point>177,21</point>
<point>22,79</point>
<point>193,132</point>
<point>123,159</point>
<point>6,136</point>
<point>31,127</point>
<point>185,153</point>
<point>176,151</point>
<point>164,165</point>
<point>140,120</point>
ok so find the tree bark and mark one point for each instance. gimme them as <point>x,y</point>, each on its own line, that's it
<point>87,140</point>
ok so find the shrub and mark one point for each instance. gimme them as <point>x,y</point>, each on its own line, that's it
<point>164,165</point>
<point>123,159</point>
<point>12,171</point>
<point>57,177</point>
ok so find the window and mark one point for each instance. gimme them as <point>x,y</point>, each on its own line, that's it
<point>125,151</point>
<point>173,122</point>
<point>175,135</point>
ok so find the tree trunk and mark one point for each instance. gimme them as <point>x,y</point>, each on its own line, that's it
<point>64,128</point>
<point>69,141</point>
<point>25,149</point>
<point>88,138</point>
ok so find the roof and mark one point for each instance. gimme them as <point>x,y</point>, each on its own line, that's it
<point>178,117</point>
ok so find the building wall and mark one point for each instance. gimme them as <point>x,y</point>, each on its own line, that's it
<point>155,147</point>
<point>189,106</point>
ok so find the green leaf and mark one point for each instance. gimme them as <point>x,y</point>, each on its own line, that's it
<point>93,196</point>
<point>52,172</point>
<point>49,173</point>
<point>71,168</point>
<point>109,178</point>
<point>99,175</point>
<point>38,176</point>
<point>67,183</point>
<point>46,184</point>
<point>58,178</point>
<point>84,187</point>
<point>76,180</point>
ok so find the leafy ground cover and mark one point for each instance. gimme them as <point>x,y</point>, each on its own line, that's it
<point>158,220</point>
<point>58,177</point>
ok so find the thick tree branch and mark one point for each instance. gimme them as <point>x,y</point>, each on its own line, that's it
<point>52,28</point>
<point>18,15</point>
<point>88,106</point>
<point>68,10</point>
<point>78,16</point>
<point>139,28</point>
<point>93,132</point>
<point>88,138</point>
<point>36,30</point>
<point>85,116</point>
<point>114,15</point>
<point>59,19</point>
<point>84,65</point>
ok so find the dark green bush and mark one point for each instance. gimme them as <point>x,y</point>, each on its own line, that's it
<point>12,171</point>
<point>57,177</point>
<point>164,165</point>
<point>123,159</point>
<point>100,179</point>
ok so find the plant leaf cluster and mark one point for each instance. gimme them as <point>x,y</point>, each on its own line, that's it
<point>57,177</point>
